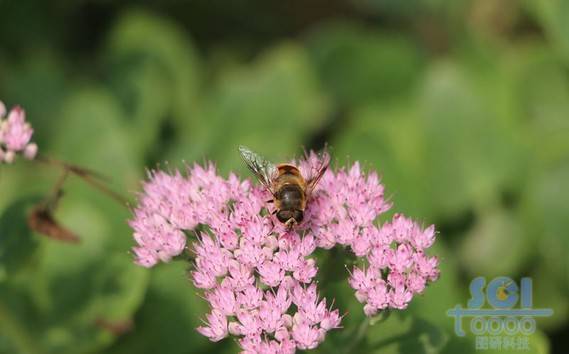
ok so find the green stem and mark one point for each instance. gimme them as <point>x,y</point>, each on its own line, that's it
<point>381,317</point>
<point>19,336</point>
<point>359,335</point>
<point>88,176</point>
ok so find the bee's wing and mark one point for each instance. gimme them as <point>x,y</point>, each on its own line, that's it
<point>317,170</point>
<point>264,170</point>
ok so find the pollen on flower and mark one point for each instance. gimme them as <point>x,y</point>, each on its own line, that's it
<point>257,275</point>
<point>15,135</point>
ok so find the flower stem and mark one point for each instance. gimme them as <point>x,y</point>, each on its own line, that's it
<point>50,202</point>
<point>381,317</point>
<point>90,177</point>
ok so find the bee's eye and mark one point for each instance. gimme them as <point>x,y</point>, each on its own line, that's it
<point>284,215</point>
<point>298,215</point>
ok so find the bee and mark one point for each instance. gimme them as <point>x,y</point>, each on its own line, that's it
<point>290,189</point>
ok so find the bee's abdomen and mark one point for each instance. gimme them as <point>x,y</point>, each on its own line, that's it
<point>291,197</point>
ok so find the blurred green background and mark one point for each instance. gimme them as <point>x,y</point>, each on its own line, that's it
<point>462,106</point>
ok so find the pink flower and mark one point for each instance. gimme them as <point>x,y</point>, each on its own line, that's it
<point>409,269</point>
<point>248,323</point>
<point>416,282</point>
<point>216,326</point>
<point>258,277</point>
<point>306,336</point>
<point>362,280</point>
<point>223,299</point>
<point>271,273</point>
<point>331,320</point>
<point>237,249</point>
<point>427,266</point>
<point>202,279</point>
<point>425,239</point>
<point>251,344</point>
<point>30,151</point>
<point>305,271</point>
<point>240,275</point>
<point>279,302</point>
<point>250,298</point>
<point>400,297</point>
<point>380,256</point>
<point>378,295</point>
<point>15,135</point>
<point>361,244</point>
<point>158,239</point>
<point>270,317</point>
<point>401,259</point>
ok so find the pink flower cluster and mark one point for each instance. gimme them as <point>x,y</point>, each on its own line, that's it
<point>397,267</point>
<point>394,253</point>
<point>15,135</point>
<point>251,274</point>
<point>257,276</point>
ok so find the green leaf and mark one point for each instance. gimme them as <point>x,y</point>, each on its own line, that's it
<point>496,245</point>
<point>554,17</point>
<point>542,95</point>
<point>405,334</point>
<point>39,84</point>
<point>389,139</point>
<point>76,287</point>
<point>446,292</point>
<point>550,294</point>
<point>75,290</point>
<point>17,242</point>
<point>18,322</point>
<point>155,71</point>
<point>472,147</point>
<point>171,310</point>
<point>24,179</point>
<point>547,198</point>
<point>94,134</point>
<point>88,301</point>
<point>272,106</point>
<point>358,65</point>
<point>544,216</point>
<point>65,304</point>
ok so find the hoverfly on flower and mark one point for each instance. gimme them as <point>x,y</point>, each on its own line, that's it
<point>290,189</point>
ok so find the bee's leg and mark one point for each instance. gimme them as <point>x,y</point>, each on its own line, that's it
<point>272,226</point>
<point>290,224</point>
<point>270,201</point>
<point>274,212</point>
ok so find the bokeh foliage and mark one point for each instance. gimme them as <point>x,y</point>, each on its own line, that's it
<point>463,107</point>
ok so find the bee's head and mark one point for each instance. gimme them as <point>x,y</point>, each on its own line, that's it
<point>288,216</point>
